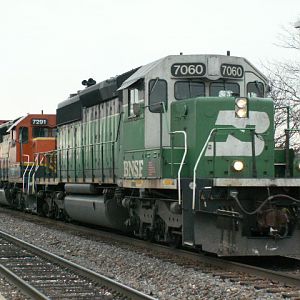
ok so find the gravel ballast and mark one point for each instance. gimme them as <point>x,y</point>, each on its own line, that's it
<point>154,276</point>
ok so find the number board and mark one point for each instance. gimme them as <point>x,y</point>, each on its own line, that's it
<point>39,121</point>
<point>188,69</point>
<point>232,71</point>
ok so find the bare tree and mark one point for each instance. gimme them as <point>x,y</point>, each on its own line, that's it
<point>284,80</point>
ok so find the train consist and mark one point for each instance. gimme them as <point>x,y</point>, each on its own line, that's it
<point>179,151</point>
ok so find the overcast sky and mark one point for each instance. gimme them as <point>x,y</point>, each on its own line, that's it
<point>49,46</point>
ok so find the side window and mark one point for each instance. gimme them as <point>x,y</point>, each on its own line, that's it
<point>136,94</point>
<point>23,135</point>
<point>133,98</point>
<point>157,95</point>
<point>224,89</point>
<point>54,132</point>
<point>255,89</point>
<point>188,89</point>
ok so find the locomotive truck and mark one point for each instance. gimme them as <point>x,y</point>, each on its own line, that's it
<point>180,150</point>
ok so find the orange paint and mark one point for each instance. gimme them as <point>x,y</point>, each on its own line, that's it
<point>41,136</point>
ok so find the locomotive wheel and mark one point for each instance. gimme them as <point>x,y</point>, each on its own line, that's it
<point>55,211</point>
<point>45,209</point>
<point>176,241</point>
<point>22,203</point>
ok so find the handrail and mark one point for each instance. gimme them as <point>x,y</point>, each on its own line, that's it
<point>184,154</point>
<point>287,148</point>
<point>30,174</point>
<point>92,145</point>
<point>287,114</point>
<point>80,146</point>
<point>196,165</point>
<point>201,154</point>
<point>181,163</point>
<point>36,168</point>
<point>23,178</point>
<point>60,150</point>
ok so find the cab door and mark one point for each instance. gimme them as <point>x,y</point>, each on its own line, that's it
<point>156,131</point>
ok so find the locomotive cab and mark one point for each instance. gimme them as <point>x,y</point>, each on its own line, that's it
<point>29,136</point>
<point>25,144</point>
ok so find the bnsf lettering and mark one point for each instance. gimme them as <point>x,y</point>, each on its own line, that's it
<point>133,168</point>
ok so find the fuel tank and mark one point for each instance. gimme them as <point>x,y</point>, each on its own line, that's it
<point>83,188</point>
<point>3,198</point>
<point>95,209</point>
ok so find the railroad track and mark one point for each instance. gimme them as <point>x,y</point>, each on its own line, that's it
<point>287,278</point>
<point>40,274</point>
<point>271,281</point>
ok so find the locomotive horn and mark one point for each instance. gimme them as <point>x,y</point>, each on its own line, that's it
<point>91,81</point>
<point>88,82</point>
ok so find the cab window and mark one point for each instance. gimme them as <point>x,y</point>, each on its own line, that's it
<point>43,132</point>
<point>157,95</point>
<point>135,95</point>
<point>189,89</point>
<point>133,98</point>
<point>224,89</point>
<point>23,135</point>
<point>255,89</point>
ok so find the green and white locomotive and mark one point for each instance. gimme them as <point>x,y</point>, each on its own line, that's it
<point>180,150</point>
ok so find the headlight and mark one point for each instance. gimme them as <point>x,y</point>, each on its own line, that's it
<point>241,107</point>
<point>241,113</point>
<point>241,102</point>
<point>238,165</point>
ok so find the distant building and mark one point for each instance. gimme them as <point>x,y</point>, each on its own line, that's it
<point>3,121</point>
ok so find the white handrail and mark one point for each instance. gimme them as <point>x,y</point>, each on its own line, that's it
<point>23,178</point>
<point>202,151</point>
<point>181,164</point>
<point>30,173</point>
<point>196,166</point>
<point>33,176</point>
<point>184,154</point>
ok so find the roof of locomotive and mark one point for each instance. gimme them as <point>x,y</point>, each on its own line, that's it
<point>4,126</point>
<point>70,109</point>
<point>146,69</point>
<point>14,123</point>
<point>105,90</point>
<point>140,73</point>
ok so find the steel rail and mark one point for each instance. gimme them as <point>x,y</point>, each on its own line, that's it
<point>120,288</point>
<point>287,279</point>
<point>281,277</point>
<point>225,264</point>
<point>22,285</point>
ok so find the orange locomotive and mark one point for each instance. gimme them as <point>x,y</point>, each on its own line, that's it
<point>21,144</point>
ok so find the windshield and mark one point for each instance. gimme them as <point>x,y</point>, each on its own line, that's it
<point>255,89</point>
<point>221,89</point>
<point>189,89</point>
